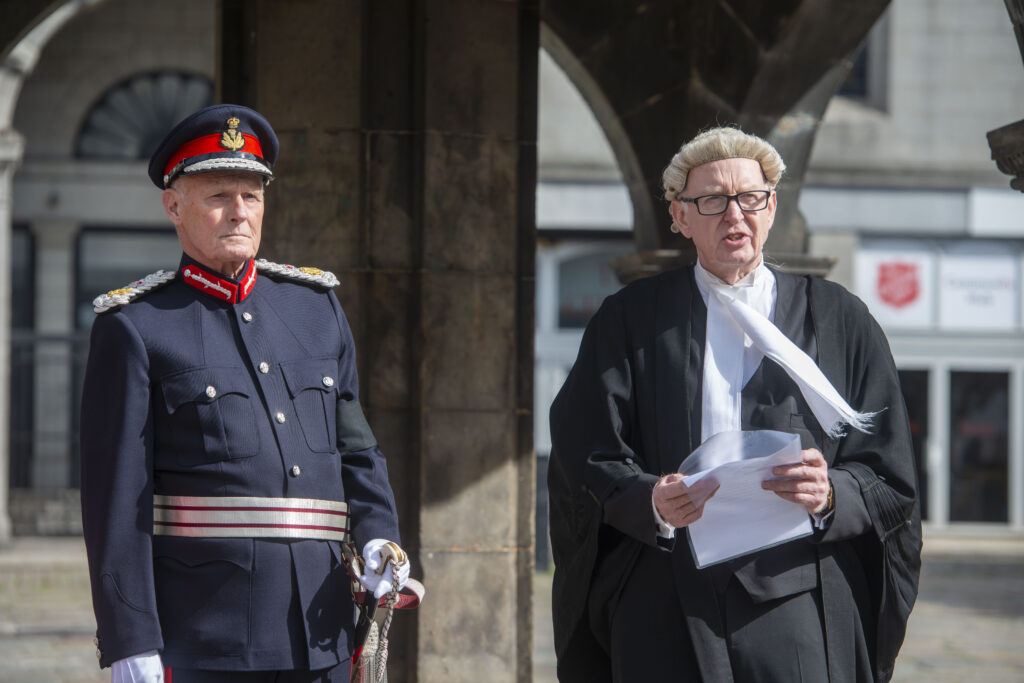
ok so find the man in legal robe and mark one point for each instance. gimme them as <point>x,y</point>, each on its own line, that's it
<point>730,344</point>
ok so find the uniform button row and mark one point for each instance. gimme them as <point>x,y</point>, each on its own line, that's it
<point>264,367</point>
<point>247,317</point>
<point>280,418</point>
<point>295,470</point>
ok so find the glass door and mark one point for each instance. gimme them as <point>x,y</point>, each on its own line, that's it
<point>979,446</point>
<point>915,393</point>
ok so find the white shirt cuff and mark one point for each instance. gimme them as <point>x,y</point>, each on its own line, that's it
<point>140,668</point>
<point>822,520</point>
<point>665,530</point>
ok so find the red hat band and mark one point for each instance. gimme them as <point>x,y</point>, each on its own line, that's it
<point>211,144</point>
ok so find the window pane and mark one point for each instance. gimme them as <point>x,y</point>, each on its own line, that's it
<point>108,259</point>
<point>979,445</point>
<point>22,278</point>
<point>583,283</point>
<point>23,358</point>
<point>915,394</point>
<point>856,82</point>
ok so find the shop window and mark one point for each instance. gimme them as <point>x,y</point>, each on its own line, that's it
<point>979,446</point>
<point>583,283</point>
<point>112,258</point>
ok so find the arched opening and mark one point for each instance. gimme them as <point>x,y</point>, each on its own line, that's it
<point>86,215</point>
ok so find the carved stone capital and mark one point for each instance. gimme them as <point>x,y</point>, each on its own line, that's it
<point>1007,145</point>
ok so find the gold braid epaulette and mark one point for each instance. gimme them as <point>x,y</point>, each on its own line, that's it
<point>304,274</point>
<point>116,298</point>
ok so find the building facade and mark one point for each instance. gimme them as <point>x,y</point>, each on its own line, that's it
<point>901,192</point>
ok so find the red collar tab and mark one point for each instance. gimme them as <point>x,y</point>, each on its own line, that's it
<point>218,287</point>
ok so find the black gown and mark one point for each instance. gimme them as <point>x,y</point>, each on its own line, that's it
<point>630,606</point>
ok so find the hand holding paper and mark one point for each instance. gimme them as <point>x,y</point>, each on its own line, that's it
<point>742,516</point>
<point>680,504</point>
<point>804,483</point>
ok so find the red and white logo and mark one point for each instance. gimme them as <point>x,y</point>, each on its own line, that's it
<point>898,283</point>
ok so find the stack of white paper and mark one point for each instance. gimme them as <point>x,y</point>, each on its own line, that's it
<point>741,517</point>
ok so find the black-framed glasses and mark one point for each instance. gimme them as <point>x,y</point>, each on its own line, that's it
<point>714,204</point>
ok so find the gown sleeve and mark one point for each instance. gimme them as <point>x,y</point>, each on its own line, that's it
<point>595,468</point>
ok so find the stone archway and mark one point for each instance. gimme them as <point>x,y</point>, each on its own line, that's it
<point>658,72</point>
<point>26,27</point>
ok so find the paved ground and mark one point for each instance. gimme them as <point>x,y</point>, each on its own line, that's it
<point>968,625</point>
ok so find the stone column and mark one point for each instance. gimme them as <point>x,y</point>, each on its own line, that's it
<point>408,166</point>
<point>11,146</point>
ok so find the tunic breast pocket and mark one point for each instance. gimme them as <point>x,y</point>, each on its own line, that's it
<point>313,387</point>
<point>210,416</point>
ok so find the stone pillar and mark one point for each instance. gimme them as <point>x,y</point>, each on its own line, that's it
<point>11,146</point>
<point>408,166</point>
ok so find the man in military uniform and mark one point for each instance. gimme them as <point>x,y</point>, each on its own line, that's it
<point>225,457</point>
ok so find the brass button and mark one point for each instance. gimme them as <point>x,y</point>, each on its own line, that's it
<point>247,317</point>
<point>295,470</point>
<point>264,367</point>
<point>211,391</point>
<point>328,381</point>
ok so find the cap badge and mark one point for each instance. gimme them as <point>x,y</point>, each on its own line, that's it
<point>231,138</point>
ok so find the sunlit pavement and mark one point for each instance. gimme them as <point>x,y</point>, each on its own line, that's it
<point>968,624</point>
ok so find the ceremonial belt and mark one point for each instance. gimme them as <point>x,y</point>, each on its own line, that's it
<point>250,517</point>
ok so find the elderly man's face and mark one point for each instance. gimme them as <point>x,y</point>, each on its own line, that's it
<point>729,244</point>
<point>219,218</point>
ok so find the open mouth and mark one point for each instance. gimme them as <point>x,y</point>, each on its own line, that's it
<point>735,237</point>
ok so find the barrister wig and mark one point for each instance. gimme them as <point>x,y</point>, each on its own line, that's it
<point>717,144</point>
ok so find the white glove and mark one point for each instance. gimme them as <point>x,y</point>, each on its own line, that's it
<point>379,575</point>
<point>141,668</point>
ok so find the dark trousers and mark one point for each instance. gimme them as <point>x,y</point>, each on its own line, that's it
<point>338,674</point>
<point>779,641</point>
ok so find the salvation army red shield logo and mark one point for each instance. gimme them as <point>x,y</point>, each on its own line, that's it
<point>898,283</point>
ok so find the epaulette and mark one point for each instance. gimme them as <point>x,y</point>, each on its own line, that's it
<point>116,298</point>
<point>304,274</point>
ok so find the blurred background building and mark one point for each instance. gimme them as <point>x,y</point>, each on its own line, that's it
<point>901,193</point>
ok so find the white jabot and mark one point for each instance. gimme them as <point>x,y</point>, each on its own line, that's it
<point>739,332</point>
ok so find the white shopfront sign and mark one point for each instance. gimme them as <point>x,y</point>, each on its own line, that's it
<point>969,286</point>
<point>896,281</point>
<point>979,291</point>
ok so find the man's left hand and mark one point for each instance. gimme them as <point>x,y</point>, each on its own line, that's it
<point>379,574</point>
<point>805,483</point>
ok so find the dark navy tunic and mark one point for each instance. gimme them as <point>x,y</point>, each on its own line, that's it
<point>282,420</point>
